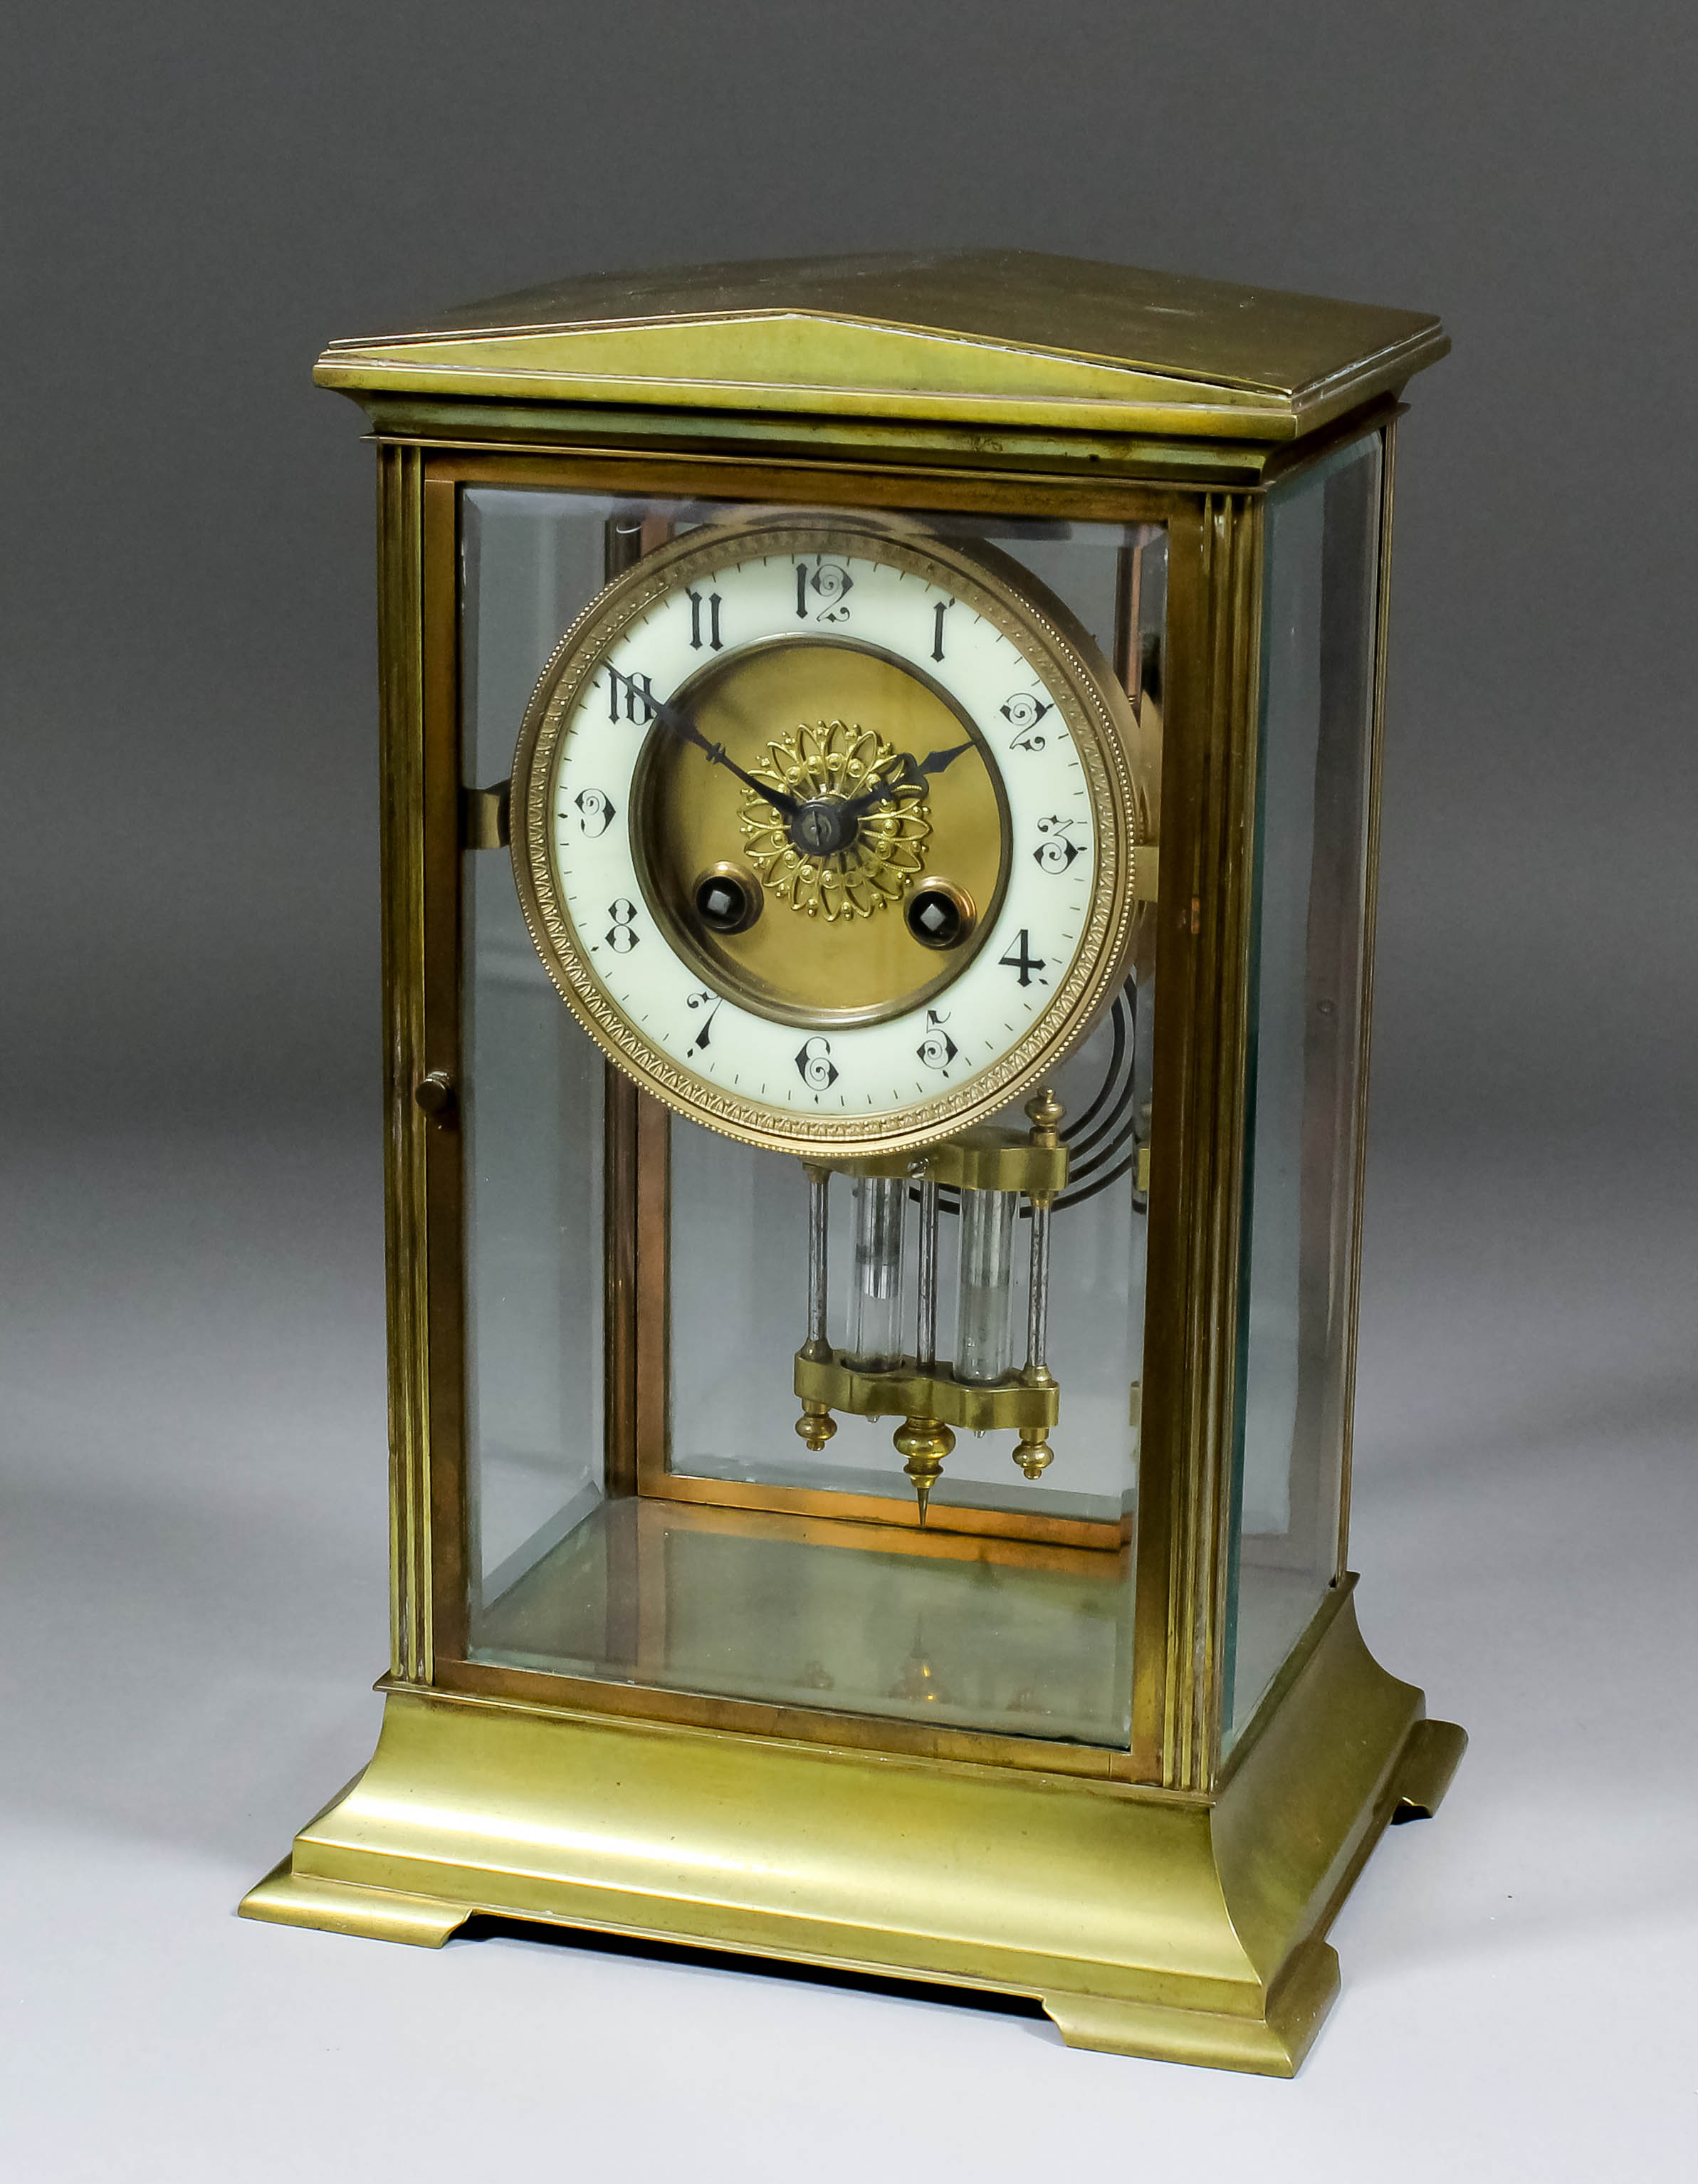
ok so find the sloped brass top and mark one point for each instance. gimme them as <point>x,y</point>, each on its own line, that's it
<point>1013,338</point>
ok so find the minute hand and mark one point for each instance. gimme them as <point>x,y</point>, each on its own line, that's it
<point>680,724</point>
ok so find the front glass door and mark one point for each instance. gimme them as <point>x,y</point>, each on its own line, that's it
<point>640,1506</point>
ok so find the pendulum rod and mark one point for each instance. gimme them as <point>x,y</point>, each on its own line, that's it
<point>1038,1299</point>
<point>1033,1453</point>
<point>926,1345</point>
<point>816,1426</point>
<point>819,1202</point>
<point>921,1440</point>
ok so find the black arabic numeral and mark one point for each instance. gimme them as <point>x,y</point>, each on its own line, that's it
<point>815,1066</point>
<point>704,998</point>
<point>622,935</point>
<point>830,582</point>
<point>937,1050</point>
<point>1023,711</point>
<point>1020,958</point>
<point>1058,851</point>
<point>596,811</point>
<point>712,604</point>
<point>636,693</point>
<point>937,613</point>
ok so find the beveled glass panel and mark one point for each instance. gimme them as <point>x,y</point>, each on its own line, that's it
<point>1319,613</point>
<point>531,1088</point>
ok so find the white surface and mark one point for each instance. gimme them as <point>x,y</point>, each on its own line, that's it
<point>193,1607</point>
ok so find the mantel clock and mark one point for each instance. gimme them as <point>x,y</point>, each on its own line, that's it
<point>880,764</point>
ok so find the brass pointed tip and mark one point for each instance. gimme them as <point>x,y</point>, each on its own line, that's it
<point>924,1496</point>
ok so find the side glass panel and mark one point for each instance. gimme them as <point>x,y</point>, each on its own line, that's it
<point>682,1536</point>
<point>1318,621</point>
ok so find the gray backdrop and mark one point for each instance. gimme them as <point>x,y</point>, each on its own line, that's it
<point>197,198</point>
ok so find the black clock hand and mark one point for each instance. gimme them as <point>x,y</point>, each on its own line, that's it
<point>912,771</point>
<point>680,724</point>
<point>935,762</point>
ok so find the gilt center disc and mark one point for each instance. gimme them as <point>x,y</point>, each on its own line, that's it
<point>824,721</point>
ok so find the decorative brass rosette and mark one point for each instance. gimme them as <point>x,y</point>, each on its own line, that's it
<point>833,758</point>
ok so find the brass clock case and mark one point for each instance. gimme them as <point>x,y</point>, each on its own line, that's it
<point>679,830</point>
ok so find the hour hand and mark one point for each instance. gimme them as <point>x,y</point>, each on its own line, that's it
<point>935,762</point>
<point>911,773</point>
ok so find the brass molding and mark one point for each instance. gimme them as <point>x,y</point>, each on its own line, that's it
<point>991,1406</point>
<point>407,1055</point>
<point>983,1158</point>
<point>1088,472</point>
<point>1009,339</point>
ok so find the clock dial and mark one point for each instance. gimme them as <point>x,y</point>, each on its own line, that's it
<point>824,830</point>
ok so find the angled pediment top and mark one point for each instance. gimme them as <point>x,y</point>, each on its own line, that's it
<point>996,336</point>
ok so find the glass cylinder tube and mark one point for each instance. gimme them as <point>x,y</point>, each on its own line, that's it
<point>875,1343</point>
<point>984,1345</point>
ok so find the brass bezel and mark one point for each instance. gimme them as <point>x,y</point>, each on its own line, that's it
<point>973,926</point>
<point>727,868</point>
<point>1105,732</point>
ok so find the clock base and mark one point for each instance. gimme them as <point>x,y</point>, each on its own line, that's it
<point>1145,1923</point>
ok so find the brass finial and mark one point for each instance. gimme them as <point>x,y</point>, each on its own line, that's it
<point>816,1426</point>
<point>1033,1453</point>
<point>925,1442</point>
<point>1045,1112</point>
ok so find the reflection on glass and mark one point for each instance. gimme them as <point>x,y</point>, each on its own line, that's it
<point>1030,1642</point>
<point>1319,611</point>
